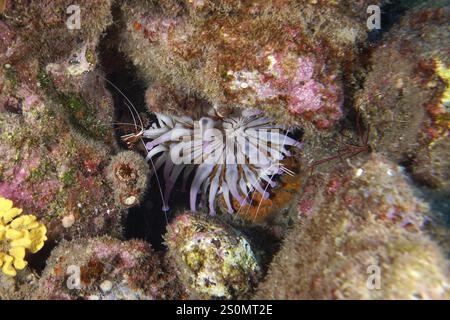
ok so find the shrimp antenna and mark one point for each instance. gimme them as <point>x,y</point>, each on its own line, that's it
<point>118,124</point>
<point>132,108</point>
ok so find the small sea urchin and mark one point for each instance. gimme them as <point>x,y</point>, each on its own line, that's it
<point>236,155</point>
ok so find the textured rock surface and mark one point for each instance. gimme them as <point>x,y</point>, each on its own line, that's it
<point>51,169</point>
<point>355,227</point>
<point>405,95</point>
<point>56,141</point>
<point>108,269</point>
<point>271,55</point>
<point>211,259</point>
<point>42,25</point>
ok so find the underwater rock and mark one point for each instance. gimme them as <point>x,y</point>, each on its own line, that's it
<point>282,61</point>
<point>128,173</point>
<point>49,29</point>
<point>88,108</point>
<point>359,237</point>
<point>341,22</point>
<point>162,98</point>
<point>106,268</point>
<point>405,98</point>
<point>212,260</point>
<point>54,154</point>
<point>18,287</point>
<point>410,266</point>
<point>432,168</point>
<point>77,75</point>
<point>67,74</point>
<point>80,96</point>
<point>11,47</point>
<point>373,188</point>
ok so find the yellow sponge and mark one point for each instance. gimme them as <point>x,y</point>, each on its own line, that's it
<point>18,233</point>
<point>444,74</point>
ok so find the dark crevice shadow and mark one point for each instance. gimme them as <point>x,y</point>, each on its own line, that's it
<point>146,221</point>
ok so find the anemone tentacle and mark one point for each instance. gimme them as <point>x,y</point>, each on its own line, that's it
<point>231,156</point>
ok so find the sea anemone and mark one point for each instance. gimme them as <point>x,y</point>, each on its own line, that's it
<point>233,154</point>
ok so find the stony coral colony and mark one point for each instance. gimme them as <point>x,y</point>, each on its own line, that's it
<point>227,84</point>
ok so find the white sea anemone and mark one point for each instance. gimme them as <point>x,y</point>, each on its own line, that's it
<point>233,155</point>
